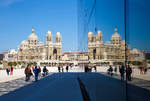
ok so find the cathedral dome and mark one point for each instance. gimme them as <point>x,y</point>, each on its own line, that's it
<point>24,42</point>
<point>116,35</point>
<point>33,36</point>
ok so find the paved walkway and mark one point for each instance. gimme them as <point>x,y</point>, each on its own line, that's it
<point>65,87</point>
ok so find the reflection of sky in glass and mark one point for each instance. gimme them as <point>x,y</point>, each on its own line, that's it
<point>105,15</point>
<point>138,23</point>
<point>109,14</point>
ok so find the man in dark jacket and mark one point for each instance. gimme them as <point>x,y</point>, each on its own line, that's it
<point>59,68</point>
<point>45,71</point>
<point>36,73</point>
<point>67,68</point>
<point>122,71</point>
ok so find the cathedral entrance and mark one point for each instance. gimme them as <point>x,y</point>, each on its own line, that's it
<point>94,54</point>
<point>55,54</point>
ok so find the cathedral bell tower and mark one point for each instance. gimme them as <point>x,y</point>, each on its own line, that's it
<point>48,38</point>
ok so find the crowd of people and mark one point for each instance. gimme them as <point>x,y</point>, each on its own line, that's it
<point>122,71</point>
<point>61,68</point>
<point>142,70</point>
<point>89,68</point>
<point>35,71</point>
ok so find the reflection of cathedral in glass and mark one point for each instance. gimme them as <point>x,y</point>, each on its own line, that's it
<point>113,50</point>
<point>35,50</point>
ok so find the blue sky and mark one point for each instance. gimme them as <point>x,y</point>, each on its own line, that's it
<point>17,17</point>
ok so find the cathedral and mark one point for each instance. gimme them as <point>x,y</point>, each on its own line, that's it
<point>114,50</point>
<point>33,50</point>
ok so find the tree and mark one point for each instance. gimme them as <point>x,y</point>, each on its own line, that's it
<point>10,63</point>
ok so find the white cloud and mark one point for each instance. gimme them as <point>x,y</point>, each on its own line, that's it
<point>8,2</point>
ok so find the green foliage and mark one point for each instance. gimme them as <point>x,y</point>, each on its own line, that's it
<point>32,63</point>
<point>136,63</point>
<point>19,63</point>
<point>12,63</point>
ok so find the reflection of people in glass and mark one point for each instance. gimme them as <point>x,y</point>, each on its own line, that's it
<point>128,73</point>
<point>122,71</point>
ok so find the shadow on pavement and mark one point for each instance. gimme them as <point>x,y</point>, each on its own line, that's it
<point>98,86</point>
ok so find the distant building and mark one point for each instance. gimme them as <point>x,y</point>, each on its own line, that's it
<point>111,51</point>
<point>1,57</point>
<point>10,55</point>
<point>147,55</point>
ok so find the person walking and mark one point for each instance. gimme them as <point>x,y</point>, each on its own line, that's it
<point>128,73</point>
<point>36,73</point>
<point>28,73</point>
<point>32,67</point>
<point>7,71</point>
<point>62,68</point>
<point>115,70</point>
<point>145,70</point>
<point>67,68</point>
<point>85,68</point>
<point>45,71</point>
<point>110,70</point>
<point>59,69</point>
<point>122,71</point>
<point>11,70</point>
<point>39,70</point>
